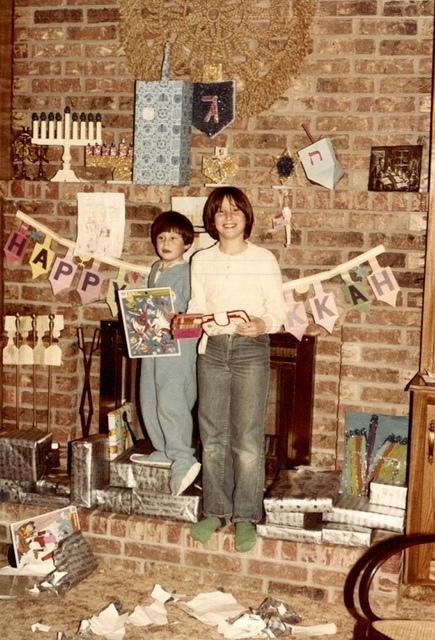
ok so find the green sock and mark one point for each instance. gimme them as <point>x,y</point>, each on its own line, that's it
<point>204,529</point>
<point>246,536</point>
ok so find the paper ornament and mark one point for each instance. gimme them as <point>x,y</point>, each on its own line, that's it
<point>296,320</point>
<point>62,273</point>
<point>42,258</point>
<point>323,308</point>
<point>320,164</point>
<point>356,293</point>
<point>89,286</point>
<point>16,245</point>
<point>383,283</point>
<point>213,106</point>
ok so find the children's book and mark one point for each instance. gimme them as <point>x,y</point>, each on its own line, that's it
<point>146,316</point>
<point>36,539</point>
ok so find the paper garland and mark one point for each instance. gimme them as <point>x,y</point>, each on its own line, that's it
<point>322,304</point>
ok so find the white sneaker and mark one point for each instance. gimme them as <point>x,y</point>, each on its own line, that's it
<point>188,478</point>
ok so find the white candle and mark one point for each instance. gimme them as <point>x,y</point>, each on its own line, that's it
<point>82,126</point>
<point>67,117</point>
<point>51,125</point>
<point>43,126</point>
<point>35,125</point>
<point>91,131</point>
<point>98,126</point>
<point>59,132</point>
<point>75,126</point>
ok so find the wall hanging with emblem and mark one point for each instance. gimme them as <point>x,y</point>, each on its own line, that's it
<point>260,47</point>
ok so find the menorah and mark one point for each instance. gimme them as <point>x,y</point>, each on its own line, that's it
<point>73,130</point>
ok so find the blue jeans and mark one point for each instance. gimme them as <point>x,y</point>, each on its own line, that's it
<point>233,381</point>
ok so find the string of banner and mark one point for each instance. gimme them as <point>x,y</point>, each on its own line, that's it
<point>62,270</point>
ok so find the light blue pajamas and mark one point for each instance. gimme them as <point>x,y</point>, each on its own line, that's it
<point>167,388</point>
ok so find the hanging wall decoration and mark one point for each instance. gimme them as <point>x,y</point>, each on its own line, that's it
<point>395,168</point>
<point>220,166</point>
<point>260,47</point>
<point>162,130</point>
<point>319,162</point>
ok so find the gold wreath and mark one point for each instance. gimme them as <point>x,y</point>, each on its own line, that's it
<point>261,48</point>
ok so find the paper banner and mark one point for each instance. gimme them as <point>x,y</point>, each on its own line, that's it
<point>112,287</point>
<point>16,245</point>
<point>213,106</point>
<point>42,258</point>
<point>356,293</point>
<point>323,308</point>
<point>296,319</point>
<point>62,273</point>
<point>89,286</point>
<point>383,283</point>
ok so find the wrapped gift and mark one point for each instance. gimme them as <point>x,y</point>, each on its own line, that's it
<point>294,519</point>
<point>388,495</point>
<point>162,130</point>
<point>187,507</point>
<point>132,475</point>
<point>115,499</point>
<point>303,489</point>
<point>350,535</point>
<point>13,490</point>
<point>89,468</point>
<point>24,453</point>
<point>289,533</point>
<point>357,510</point>
<point>120,438</point>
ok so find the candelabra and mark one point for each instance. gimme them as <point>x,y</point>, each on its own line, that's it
<point>70,131</point>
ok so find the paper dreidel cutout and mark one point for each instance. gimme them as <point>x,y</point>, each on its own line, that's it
<point>356,293</point>
<point>42,258</point>
<point>320,164</point>
<point>16,244</point>
<point>89,286</point>
<point>62,272</point>
<point>296,320</point>
<point>383,283</point>
<point>323,308</point>
<point>213,106</point>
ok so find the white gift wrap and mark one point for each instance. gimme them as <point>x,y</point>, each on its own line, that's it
<point>24,453</point>
<point>289,533</point>
<point>357,510</point>
<point>388,495</point>
<point>304,489</point>
<point>352,536</point>
<point>115,499</point>
<point>294,519</point>
<point>128,474</point>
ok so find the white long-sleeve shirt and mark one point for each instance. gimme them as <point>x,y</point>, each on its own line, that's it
<point>250,281</point>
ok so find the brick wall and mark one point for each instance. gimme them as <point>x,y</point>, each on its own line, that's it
<point>366,82</point>
<point>164,548</point>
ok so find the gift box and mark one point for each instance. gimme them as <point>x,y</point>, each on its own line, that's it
<point>357,510</point>
<point>388,495</point>
<point>303,489</point>
<point>294,519</point>
<point>51,501</point>
<point>352,536</point>
<point>115,499</point>
<point>132,475</point>
<point>162,130</point>
<point>187,507</point>
<point>24,453</point>
<point>13,490</point>
<point>89,468</point>
<point>289,533</point>
<point>118,421</point>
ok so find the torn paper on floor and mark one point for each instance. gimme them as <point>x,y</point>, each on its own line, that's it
<point>214,607</point>
<point>248,625</point>
<point>109,623</point>
<point>154,613</point>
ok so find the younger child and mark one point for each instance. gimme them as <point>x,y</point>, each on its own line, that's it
<point>168,384</point>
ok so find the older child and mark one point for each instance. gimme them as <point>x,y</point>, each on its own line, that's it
<point>233,366</point>
<point>168,385</point>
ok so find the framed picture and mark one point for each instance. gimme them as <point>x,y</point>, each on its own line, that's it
<point>395,168</point>
<point>146,316</point>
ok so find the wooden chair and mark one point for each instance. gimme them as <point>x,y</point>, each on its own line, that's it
<point>357,596</point>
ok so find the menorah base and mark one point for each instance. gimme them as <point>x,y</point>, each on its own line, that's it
<point>65,175</point>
